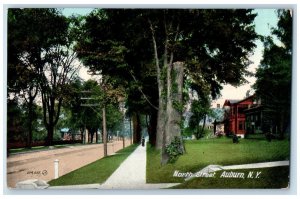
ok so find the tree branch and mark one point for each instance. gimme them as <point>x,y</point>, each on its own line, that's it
<point>146,98</point>
<point>155,51</point>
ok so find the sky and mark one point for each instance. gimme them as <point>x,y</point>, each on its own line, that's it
<point>265,19</point>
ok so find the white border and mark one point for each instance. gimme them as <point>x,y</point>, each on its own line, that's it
<point>155,4</point>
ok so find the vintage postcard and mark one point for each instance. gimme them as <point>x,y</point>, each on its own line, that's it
<point>131,98</point>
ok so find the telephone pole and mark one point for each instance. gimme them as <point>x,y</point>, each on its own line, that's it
<point>103,120</point>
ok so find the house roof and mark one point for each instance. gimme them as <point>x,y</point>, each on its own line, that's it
<point>230,101</point>
<point>234,101</point>
<point>249,97</point>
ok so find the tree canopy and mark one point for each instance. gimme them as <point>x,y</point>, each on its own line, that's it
<point>212,45</point>
<point>274,74</point>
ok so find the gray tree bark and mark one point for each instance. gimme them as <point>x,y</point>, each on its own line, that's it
<point>173,114</point>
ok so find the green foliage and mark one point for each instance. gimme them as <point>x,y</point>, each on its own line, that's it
<point>15,122</point>
<point>213,44</point>
<point>114,118</point>
<point>179,106</point>
<point>79,117</point>
<point>274,74</point>
<point>187,132</point>
<point>39,61</point>
<point>174,149</point>
<point>199,109</point>
<point>217,51</point>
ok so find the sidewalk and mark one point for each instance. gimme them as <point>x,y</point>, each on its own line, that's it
<point>131,174</point>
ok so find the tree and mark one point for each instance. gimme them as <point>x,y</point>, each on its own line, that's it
<point>274,74</point>
<point>73,102</point>
<point>32,33</point>
<point>15,122</point>
<point>209,46</point>
<point>213,45</point>
<point>104,50</point>
<point>200,109</point>
<point>56,74</point>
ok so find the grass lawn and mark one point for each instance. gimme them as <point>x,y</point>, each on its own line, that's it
<point>96,172</point>
<point>275,177</point>
<point>218,151</point>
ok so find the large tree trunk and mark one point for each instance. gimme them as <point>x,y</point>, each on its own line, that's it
<point>53,115</point>
<point>161,121</point>
<point>29,135</point>
<point>174,103</point>
<point>160,82</point>
<point>130,130</point>
<point>50,125</point>
<point>136,128</point>
<point>152,128</point>
<point>81,134</point>
<point>50,131</point>
<point>104,137</point>
<point>97,137</point>
<point>92,135</point>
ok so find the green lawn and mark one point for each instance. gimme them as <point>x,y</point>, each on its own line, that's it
<point>96,172</point>
<point>275,177</point>
<point>218,151</point>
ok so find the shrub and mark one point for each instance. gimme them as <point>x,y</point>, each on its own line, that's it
<point>174,149</point>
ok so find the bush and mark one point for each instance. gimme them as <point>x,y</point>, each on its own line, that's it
<point>174,150</point>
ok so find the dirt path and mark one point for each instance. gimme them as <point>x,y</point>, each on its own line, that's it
<point>40,165</point>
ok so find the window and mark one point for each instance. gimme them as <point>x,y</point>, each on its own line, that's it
<point>241,125</point>
<point>218,106</point>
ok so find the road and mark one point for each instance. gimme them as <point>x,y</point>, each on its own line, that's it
<point>40,165</point>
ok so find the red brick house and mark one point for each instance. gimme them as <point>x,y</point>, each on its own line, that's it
<point>235,117</point>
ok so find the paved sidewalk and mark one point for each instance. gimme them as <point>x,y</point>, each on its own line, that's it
<point>132,174</point>
<point>257,165</point>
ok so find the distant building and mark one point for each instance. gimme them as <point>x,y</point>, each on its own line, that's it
<point>249,116</point>
<point>235,115</point>
<point>256,121</point>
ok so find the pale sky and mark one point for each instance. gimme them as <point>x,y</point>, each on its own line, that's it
<point>265,19</point>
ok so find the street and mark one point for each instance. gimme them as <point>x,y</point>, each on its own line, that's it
<point>40,165</point>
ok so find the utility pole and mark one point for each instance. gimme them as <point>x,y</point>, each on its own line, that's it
<point>104,138</point>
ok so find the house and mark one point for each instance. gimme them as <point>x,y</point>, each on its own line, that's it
<point>256,122</point>
<point>235,116</point>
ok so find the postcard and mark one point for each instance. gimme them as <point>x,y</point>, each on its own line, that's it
<point>148,99</point>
